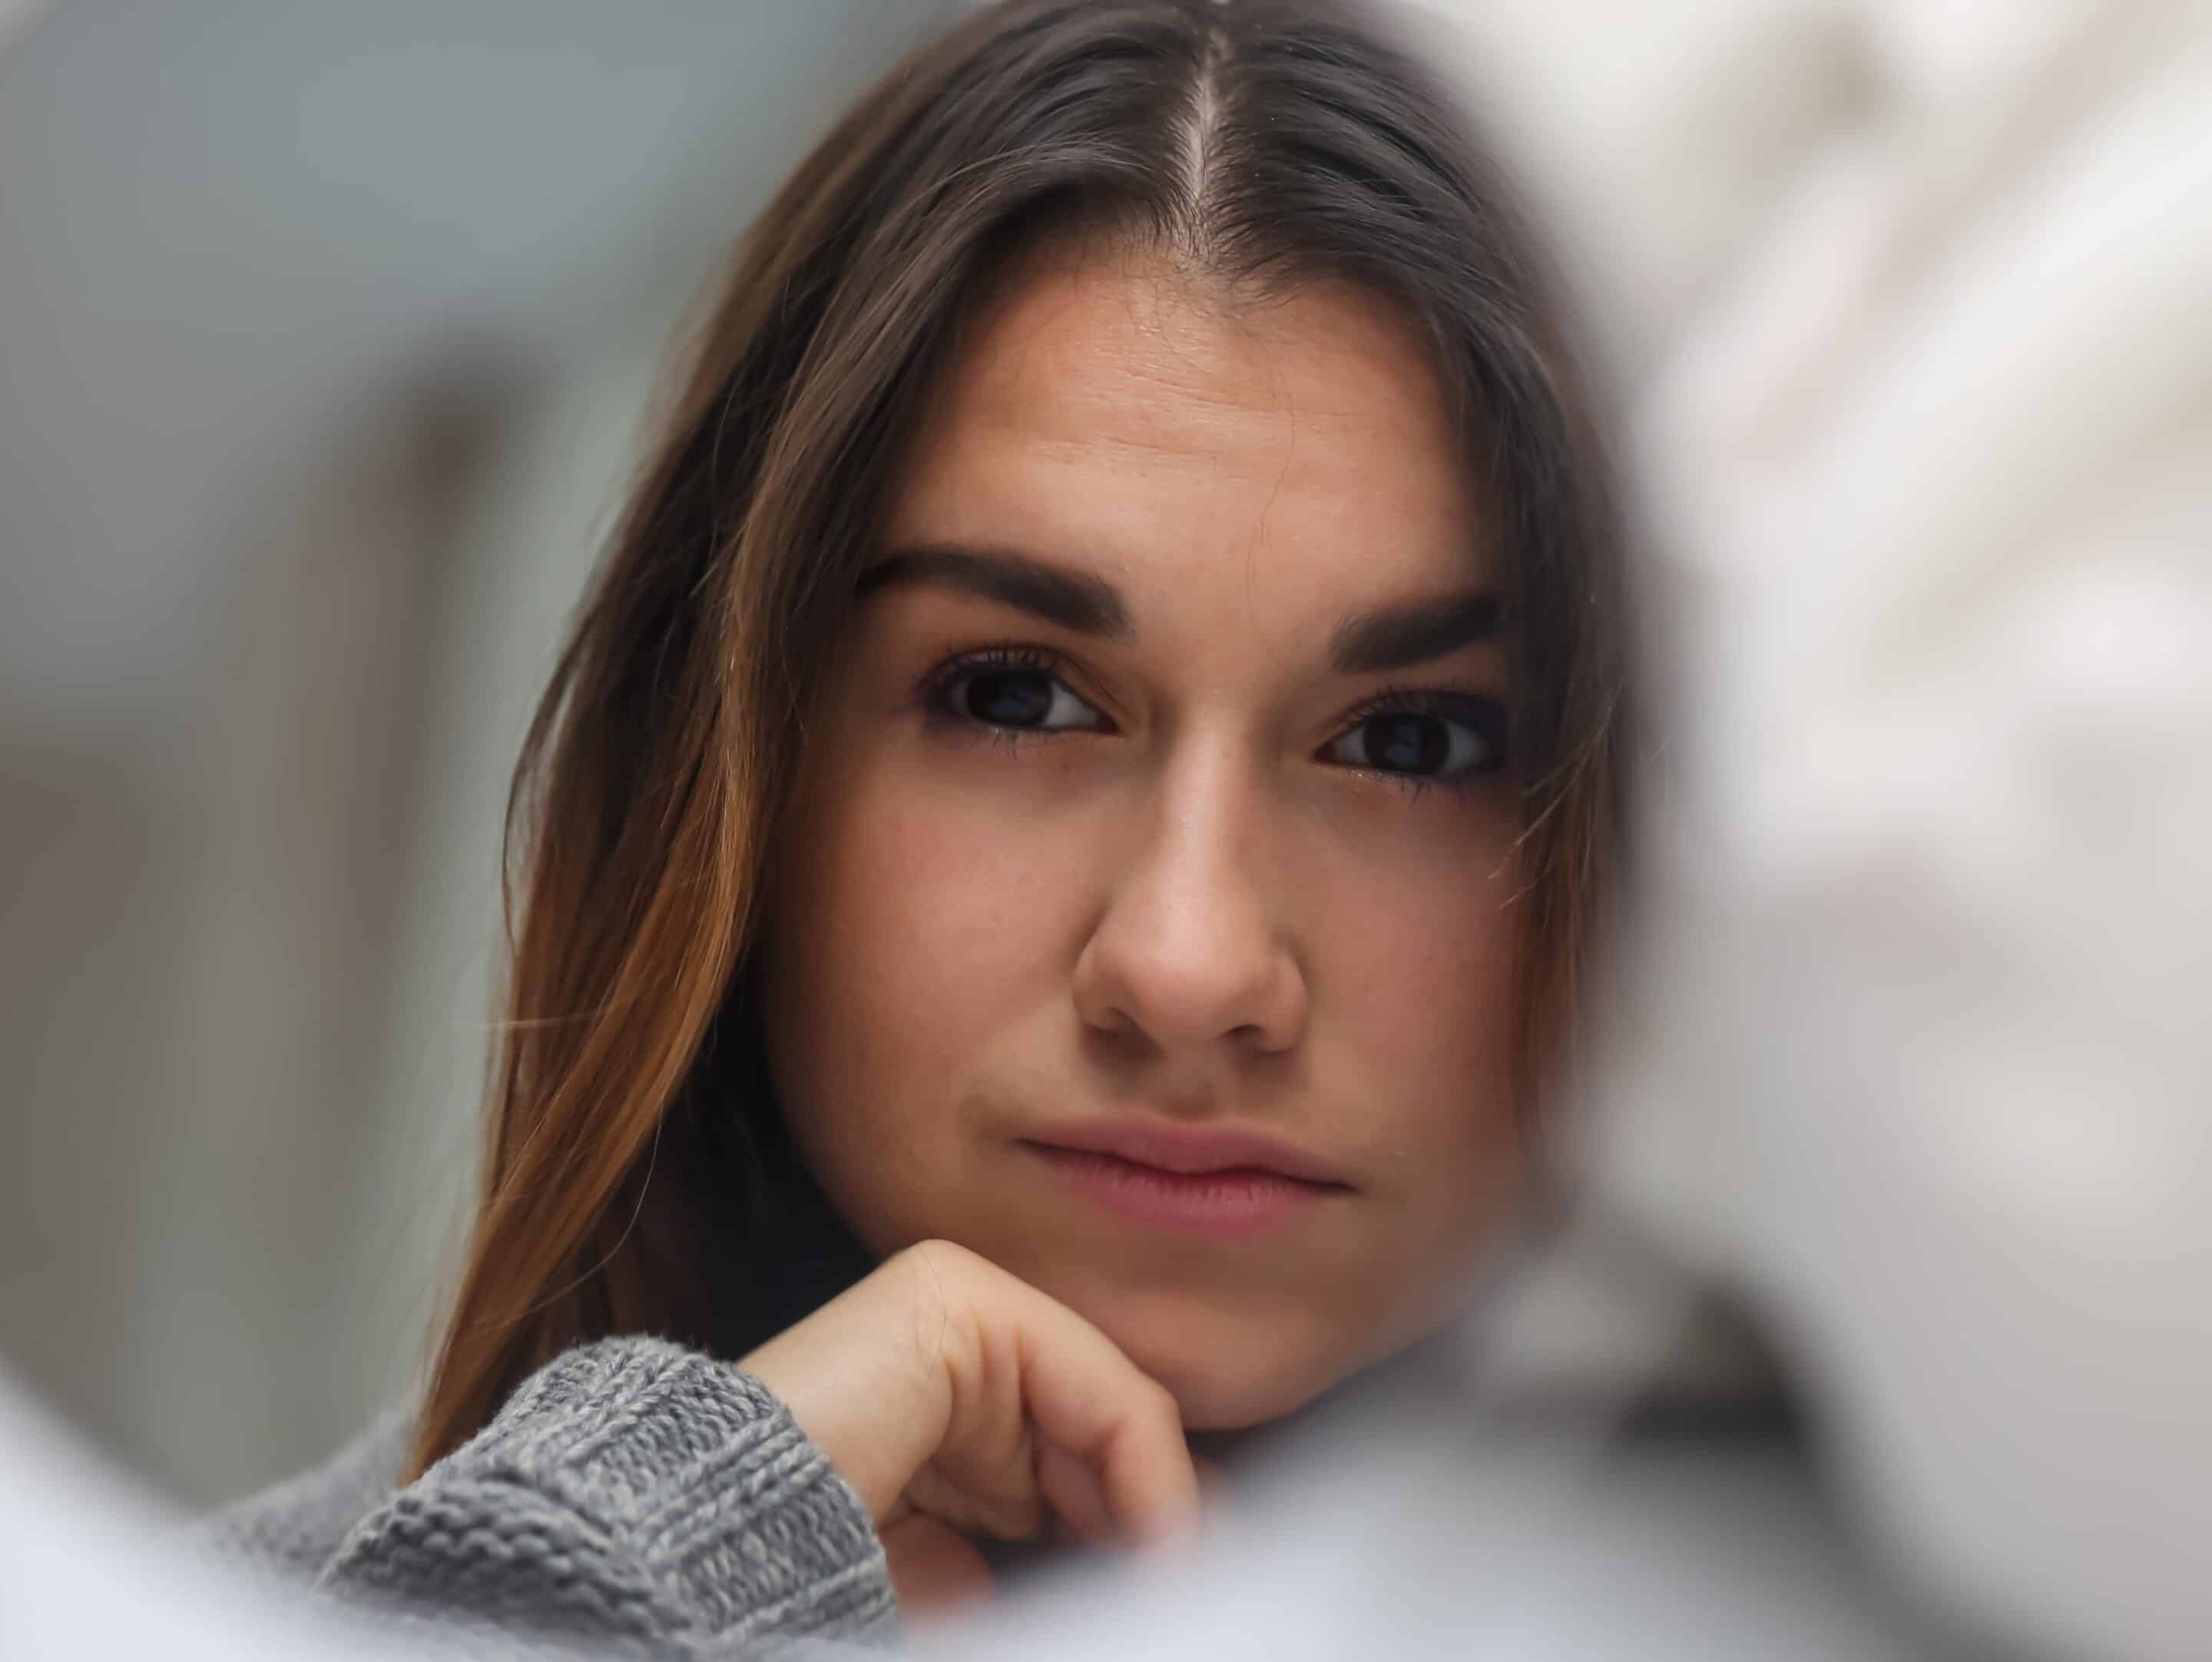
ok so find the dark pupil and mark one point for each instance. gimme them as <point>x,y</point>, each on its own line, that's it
<point>1009,698</point>
<point>1407,743</point>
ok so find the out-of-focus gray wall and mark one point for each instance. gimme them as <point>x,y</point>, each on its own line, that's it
<point>324,331</point>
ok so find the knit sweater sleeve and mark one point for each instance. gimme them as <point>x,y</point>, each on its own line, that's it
<point>635,1497</point>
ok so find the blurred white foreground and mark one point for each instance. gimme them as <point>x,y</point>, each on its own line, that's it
<point>1923,1054</point>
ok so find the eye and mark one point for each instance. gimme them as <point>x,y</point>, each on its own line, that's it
<point>1428,738</point>
<point>1013,693</point>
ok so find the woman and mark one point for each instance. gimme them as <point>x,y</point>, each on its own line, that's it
<point>1057,861</point>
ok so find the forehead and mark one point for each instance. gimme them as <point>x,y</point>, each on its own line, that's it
<point>1112,414</point>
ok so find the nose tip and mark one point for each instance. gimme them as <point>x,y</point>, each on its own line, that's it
<point>1192,1004</point>
<point>1189,967</point>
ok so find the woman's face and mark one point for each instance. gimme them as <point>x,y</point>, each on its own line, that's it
<point>1145,918</point>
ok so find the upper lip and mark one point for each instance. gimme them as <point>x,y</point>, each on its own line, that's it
<point>1191,1150</point>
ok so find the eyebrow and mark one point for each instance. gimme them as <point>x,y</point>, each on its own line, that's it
<point>1369,643</point>
<point>1400,637</point>
<point>1086,605</point>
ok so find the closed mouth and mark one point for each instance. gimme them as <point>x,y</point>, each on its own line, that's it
<point>1218,1185</point>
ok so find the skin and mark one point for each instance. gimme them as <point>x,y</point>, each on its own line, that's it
<point>1194,898</point>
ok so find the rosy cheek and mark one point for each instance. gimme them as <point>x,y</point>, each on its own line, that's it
<point>973,875</point>
<point>945,905</point>
<point>1435,933</point>
<point>1422,979</point>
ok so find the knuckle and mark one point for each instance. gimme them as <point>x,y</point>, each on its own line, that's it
<point>946,1261</point>
<point>1164,1405</point>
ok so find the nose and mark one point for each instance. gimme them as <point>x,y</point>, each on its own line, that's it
<point>1187,953</point>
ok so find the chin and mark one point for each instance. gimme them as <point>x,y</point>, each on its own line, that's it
<point>1210,1402</point>
<point>1226,1372</point>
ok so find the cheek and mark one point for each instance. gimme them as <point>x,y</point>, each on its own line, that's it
<point>1421,984</point>
<point>916,933</point>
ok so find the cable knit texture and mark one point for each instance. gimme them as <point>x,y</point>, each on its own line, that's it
<point>632,1496</point>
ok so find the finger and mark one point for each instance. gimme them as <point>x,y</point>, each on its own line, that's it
<point>1091,1402</point>
<point>1072,1489</point>
<point>934,1569</point>
<point>1016,1357</point>
<point>1009,1516</point>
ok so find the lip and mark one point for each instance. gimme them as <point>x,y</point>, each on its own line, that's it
<point>1220,1180</point>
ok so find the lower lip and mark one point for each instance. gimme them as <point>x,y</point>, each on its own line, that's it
<point>1243,1202</point>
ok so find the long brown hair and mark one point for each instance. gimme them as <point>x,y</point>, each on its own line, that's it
<point>1264,142</point>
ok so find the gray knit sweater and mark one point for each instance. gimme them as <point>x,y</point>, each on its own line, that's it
<point>631,1497</point>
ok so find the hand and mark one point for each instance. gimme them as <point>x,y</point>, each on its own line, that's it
<point>957,1400</point>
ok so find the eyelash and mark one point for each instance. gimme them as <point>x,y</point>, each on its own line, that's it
<point>933,689</point>
<point>1484,715</point>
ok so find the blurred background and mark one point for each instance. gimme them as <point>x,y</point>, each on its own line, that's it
<point>325,332</point>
